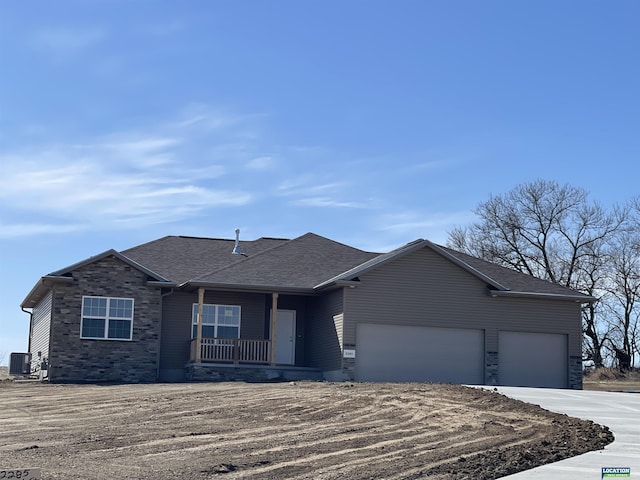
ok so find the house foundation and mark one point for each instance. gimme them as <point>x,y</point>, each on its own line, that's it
<point>203,372</point>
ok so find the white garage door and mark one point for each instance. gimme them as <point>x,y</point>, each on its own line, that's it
<point>388,353</point>
<point>532,359</point>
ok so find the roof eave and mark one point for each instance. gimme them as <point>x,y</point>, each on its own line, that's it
<point>337,284</point>
<point>155,283</point>
<point>40,289</point>
<point>558,296</point>
<point>119,256</point>
<point>247,287</point>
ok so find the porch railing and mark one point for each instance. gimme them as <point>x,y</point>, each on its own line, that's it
<point>236,350</point>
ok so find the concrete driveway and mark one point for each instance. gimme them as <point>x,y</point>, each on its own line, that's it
<point>619,411</point>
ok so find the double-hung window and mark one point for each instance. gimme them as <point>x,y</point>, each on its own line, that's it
<point>218,321</point>
<point>107,318</point>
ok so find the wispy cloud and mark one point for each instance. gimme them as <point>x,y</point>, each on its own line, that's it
<point>141,150</point>
<point>421,166</point>
<point>417,224</point>
<point>327,202</point>
<point>305,191</point>
<point>29,229</point>
<point>203,118</point>
<point>307,185</point>
<point>90,192</point>
<point>261,163</point>
<point>117,180</point>
<point>63,42</point>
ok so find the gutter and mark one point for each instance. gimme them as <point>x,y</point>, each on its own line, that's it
<point>336,284</point>
<point>247,287</point>
<point>44,282</point>
<point>157,283</point>
<point>549,296</point>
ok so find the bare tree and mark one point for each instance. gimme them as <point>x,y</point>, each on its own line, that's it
<point>591,276</point>
<point>623,297</point>
<point>549,231</point>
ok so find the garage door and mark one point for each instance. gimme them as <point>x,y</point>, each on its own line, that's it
<point>419,354</point>
<point>532,359</point>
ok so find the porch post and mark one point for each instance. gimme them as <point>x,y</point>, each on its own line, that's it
<point>274,316</point>
<point>199,325</point>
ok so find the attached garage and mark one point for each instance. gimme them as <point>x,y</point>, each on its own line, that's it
<point>528,359</point>
<point>391,353</point>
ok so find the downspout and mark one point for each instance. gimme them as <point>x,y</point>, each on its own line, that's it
<point>198,351</point>
<point>274,317</point>
<point>162,295</point>
<point>30,327</point>
<point>51,323</point>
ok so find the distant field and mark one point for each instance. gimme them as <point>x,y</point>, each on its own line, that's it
<point>609,380</point>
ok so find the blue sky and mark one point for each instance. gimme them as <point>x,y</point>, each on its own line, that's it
<point>373,123</point>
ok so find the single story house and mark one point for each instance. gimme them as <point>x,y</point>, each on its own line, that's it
<point>186,308</point>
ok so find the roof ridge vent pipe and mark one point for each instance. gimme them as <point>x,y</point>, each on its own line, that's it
<point>236,248</point>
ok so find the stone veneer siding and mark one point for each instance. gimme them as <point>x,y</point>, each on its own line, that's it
<point>202,372</point>
<point>575,373</point>
<point>491,368</point>
<point>73,359</point>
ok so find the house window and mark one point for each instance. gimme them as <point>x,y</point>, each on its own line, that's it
<point>107,318</point>
<point>218,321</point>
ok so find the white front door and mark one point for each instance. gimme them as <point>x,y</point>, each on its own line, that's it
<point>285,337</point>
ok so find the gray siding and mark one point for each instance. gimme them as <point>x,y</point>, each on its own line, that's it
<point>338,325</point>
<point>323,346</point>
<point>40,330</point>
<point>176,332</point>
<point>73,359</point>
<point>425,289</point>
<point>176,324</point>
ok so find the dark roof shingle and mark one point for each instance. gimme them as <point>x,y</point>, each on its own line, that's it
<point>181,259</point>
<point>511,279</point>
<point>303,263</point>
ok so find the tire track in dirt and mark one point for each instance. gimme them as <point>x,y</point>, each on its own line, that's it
<point>296,430</point>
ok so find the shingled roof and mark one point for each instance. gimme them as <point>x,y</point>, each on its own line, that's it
<point>184,258</point>
<point>309,262</point>
<point>512,281</point>
<point>304,264</point>
<point>500,281</point>
<point>301,263</point>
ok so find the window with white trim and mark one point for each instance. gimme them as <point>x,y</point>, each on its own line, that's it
<point>218,321</point>
<point>107,318</point>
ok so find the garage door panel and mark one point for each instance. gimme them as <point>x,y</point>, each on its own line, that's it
<point>419,354</point>
<point>529,359</point>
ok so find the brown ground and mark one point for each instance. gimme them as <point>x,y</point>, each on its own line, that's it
<point>611,380</point>
<point>303,430</point>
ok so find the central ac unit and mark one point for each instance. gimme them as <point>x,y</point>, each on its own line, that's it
<point>20,364</point>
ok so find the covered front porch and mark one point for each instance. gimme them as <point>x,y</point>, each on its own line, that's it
<point>243,355</point>
<point>237,342</point>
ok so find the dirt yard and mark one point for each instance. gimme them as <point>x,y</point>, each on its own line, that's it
<point>302,430</point>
